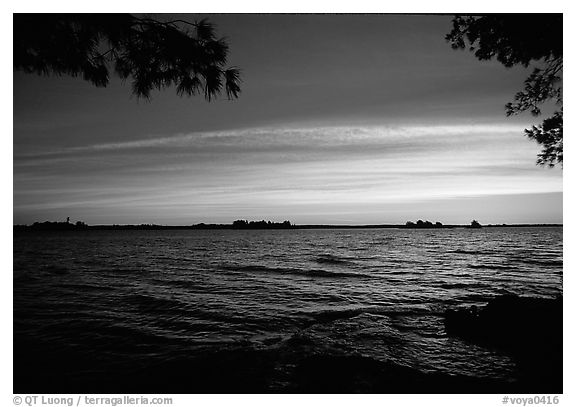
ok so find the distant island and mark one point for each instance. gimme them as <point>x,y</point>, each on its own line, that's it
<point>475,225</point>
<point>54,226</point>
<point>253,225</point>
<point>420,224</point>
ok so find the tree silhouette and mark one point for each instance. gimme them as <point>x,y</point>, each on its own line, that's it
<point>475,224</point>
<point>153,54</point>
<point>525,39</point>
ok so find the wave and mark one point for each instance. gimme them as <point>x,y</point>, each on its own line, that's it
<point>56,269</point>
<point>331,315</point>
<point>462,285</point>
<point>296,271</point>
<point>552,263</point>
<point>492,267</point>
<point>464,251</point>
<point>332,259</point>
<point>326,316</point>
<point>88,287</point>
<point>26,277</point>
<point>115,271</point>
<point>358,249</point>
<point>156,305</point>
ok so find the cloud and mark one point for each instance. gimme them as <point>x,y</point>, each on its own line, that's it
<point>298,139</point>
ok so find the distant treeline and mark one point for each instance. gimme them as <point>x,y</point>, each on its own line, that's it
<point>426,224</point>
<point>262,224</point>
<point>420,224</point>
<point>53,226</point>
<point>237,224</point>
<point>244,224</point>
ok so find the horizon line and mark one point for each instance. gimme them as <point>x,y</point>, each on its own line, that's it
<point>293,225</point>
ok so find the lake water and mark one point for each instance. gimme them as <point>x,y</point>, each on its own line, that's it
<point>96,306</point>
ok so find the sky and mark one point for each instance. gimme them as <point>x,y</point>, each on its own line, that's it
<point>342,119</point>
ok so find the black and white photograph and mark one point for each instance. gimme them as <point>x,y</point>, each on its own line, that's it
<point>288,203</point>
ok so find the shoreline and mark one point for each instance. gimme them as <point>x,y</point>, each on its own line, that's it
<point>71,227</point>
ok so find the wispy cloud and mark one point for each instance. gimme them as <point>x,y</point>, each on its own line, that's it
<point>298,139</point>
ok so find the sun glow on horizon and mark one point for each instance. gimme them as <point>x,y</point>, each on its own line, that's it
<point>215,176</point>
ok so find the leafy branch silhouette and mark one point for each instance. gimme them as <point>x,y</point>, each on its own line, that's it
<point>153,54</point>
<point>523,39</point>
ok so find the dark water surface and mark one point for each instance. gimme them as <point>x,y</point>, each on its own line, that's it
<point>99,310</point>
